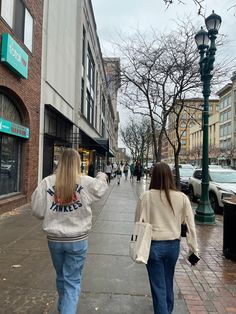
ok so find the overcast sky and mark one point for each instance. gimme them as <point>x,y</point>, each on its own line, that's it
<point>126,16</point>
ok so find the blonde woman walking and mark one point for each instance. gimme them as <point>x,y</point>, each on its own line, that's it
<point>63,200</point>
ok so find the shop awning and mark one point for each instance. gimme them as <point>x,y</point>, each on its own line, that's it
<point>100,144</point>
<point>111,153</point>
<point>104,143</point>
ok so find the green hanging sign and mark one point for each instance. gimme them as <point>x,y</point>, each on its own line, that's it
<point>13,128</point>
<point>14,56</point>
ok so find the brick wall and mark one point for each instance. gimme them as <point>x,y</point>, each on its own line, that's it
<point>27,95</point>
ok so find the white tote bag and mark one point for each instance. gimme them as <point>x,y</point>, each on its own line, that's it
<point>142,236</point>
<point>140,243</point>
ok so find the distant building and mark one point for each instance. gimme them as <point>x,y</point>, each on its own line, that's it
<point>213,141</point>
<point>77,108</point>
<point>190,117</point>
<point>112,69</point>
<point>121,155</point>
<point>227,123</point>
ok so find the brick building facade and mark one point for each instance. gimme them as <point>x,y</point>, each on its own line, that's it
<point>20,85</point>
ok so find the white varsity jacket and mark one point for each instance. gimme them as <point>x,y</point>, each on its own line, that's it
<point>67,222</point>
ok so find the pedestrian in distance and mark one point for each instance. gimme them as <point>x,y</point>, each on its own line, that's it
<point>131,168</point>
<point>167,209</point>
<point>138,170</point>
<point>118,175</point>
<point>126,170</point>
<point>108,171</point>
<point>114,168</point>
<point>63,200</point>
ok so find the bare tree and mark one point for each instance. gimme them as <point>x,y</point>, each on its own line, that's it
<point>196,153</point>
<point>176,144</point>
<point>199,4</point>
<point>228,153</point>
<point>136,136</point>
<point>214,153</point>
<point>182,115</point>
<point>159,71</point>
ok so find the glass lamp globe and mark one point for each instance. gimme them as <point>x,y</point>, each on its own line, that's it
<point>213,23</point>
<point>202,39</point>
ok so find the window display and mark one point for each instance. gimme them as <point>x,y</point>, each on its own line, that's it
<point>9,164</point>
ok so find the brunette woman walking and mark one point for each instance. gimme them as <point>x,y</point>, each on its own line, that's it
<point>167,209</point>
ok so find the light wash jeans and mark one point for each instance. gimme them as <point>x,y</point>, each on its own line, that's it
<point>68,260</point>
<point>161,267</point>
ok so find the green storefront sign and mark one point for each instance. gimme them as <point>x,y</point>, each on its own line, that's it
<point>14,56</point>
<point>13,128</point>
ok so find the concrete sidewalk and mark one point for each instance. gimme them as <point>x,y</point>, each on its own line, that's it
<point>112,283</point>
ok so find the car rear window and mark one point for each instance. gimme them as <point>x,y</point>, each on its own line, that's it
<point>186,172</point>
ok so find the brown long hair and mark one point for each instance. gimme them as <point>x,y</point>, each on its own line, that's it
<point>67,174</point>
<point>162,179</point>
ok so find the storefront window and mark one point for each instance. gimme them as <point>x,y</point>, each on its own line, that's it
<point>8,110</point>
<point>58,149</point>
<point>85,159</point>
<point>10,147</point>
<point>10,164</point>
<point>99,164</point>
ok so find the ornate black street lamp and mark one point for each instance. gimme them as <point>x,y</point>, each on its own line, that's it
<point>204,212</point>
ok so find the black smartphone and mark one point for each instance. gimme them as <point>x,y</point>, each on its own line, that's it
<point>193,259</point>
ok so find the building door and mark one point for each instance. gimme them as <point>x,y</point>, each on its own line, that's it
<point>48,153</point>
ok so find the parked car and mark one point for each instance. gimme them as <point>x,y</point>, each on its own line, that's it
<point>148,167</point>
<point>222,185</point>
<point>186,166</point>
<point>185,172</point>
<point>215,167</point>
<point>182,166</point>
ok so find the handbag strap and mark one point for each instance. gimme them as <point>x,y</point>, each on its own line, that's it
<point>145,213</point>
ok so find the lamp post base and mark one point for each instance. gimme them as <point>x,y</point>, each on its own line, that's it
<point>205,214</point>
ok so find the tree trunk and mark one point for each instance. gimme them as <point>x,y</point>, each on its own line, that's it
<point>154,136</point>
<point>160,138</point>
<point>177,175</point>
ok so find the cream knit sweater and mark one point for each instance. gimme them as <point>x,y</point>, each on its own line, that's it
<point>166,224</point>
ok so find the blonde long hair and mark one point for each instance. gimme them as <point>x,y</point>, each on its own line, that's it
<point>67,175</point>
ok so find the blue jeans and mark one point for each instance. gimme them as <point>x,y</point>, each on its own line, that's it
<point>161,267</point>
<point>68,260</point>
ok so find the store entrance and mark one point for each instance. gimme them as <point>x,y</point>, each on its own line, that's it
<point>48,152</point>
<point>51,154</point>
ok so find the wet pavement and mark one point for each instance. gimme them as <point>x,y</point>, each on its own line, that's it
<point>112,283</point>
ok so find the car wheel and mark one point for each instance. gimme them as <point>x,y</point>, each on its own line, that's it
<point>191,194</point>
<point>214,203</point>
